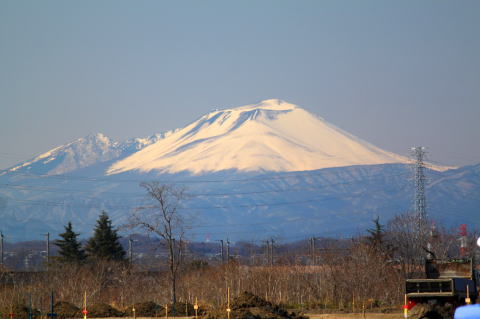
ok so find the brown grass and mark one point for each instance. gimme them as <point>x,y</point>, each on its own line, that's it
<point>356,316</point>
<point>397,315</point>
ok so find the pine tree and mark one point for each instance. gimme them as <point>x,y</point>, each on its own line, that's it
<point>376,234</point>
<point>70,249</point>
<point>377,241</point>
<point>105,242</point>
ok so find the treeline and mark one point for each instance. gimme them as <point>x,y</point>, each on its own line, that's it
<point>104,244</point>
<point>366,271</point>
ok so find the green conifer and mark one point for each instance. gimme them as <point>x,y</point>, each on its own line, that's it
<point>70,249</point>
<point>105,242</point>
<point>377,234</point>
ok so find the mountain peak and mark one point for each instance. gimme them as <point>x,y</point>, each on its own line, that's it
<point>100,137</point>
<point>274,104</point>
<point>272,135</point>
<point>269,104</point>
<point>83,152</point>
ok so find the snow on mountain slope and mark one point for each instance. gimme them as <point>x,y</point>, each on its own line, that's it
<point>81,153</point>
<point>272,135</point>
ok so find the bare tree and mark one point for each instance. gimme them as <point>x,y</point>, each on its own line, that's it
<point>163,219</point>
<point>409,242</point>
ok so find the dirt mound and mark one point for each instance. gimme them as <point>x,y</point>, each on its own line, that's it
<point>426,311</point>
<point>184,309</point>
<point>250,306</point>
<point>65,309</point>
<point>249,300</point>
<point>102,310</point>
<point>19,311</point>
<point>152,309</point>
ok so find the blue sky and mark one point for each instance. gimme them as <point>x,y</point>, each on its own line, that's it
<point>395,73</point>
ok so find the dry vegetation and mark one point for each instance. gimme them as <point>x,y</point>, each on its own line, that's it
<point>369,273</point>
<point>368,315</point>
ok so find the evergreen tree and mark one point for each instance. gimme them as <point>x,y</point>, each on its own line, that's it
<point>105,242</point>
<point>377,234</point>
<point>377,239</point>
<point>70,249</point>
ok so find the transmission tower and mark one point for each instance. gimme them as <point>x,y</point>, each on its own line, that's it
<point>418,153</point>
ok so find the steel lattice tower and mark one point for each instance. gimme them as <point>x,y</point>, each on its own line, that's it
<point>418,153</point>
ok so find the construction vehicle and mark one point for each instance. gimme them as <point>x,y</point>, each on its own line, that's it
<point>448,285</point>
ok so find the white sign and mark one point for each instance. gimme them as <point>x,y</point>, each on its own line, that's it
<point>478,241</point>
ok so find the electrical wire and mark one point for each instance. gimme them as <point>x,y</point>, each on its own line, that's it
<point>62,190</point>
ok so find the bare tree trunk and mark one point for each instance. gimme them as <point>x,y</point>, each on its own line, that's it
<point>173,275</point>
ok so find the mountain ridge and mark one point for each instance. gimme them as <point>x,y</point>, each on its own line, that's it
<point>338,201</point>
<point>82,152</point>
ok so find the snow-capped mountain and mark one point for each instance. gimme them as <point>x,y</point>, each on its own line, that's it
<point>266,169</point>
<point>81,153</point>
<point>272,135</point>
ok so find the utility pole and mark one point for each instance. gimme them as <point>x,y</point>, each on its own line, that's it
<point>182,250</point>
<point>271,251</point>
<point>312,250</point>
<point>48,248</point>
<point>130,251</point>
<point>1,248</point>
<point>228,251</point>
<point>252,255</point>
<point>52,313</point>
<point>221,248</point>
<point>267,252</point>
<point>30,312</point>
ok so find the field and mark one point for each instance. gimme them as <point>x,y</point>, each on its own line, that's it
<point>368,315</point>
<point>397,315</point>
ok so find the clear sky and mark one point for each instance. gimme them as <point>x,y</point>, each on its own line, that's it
<point>395,73</point>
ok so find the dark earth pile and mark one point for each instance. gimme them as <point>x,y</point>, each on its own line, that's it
<point>102,310</point>
<point>65,310</point>
<point>250,306</point>
<point>183,309</point>
<point>152,309</point>
<point>435,311</point>
<point>20,311</point>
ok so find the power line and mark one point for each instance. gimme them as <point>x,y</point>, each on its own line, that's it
<point>310,188</point>
<point>106,205</point>
<point>1,249</point>
<point>257,177</point>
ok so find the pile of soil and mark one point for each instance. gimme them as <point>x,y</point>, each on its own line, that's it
<point>103,310</point>
<point>426,311</point>
<point>20,312</point>
<point>65,310</point>
<point>183,309</point>
<point>250,306</point>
